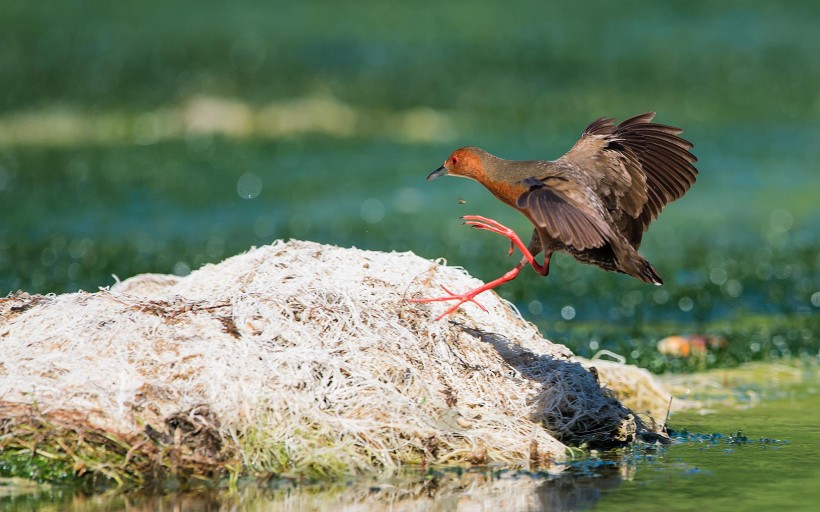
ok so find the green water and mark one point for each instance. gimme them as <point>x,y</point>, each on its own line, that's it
<point>720,475</point>
<point>134,139</point>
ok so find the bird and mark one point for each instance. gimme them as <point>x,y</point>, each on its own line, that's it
<point>595,202</point>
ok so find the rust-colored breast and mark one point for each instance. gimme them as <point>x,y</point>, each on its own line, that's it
<point>507,192</point>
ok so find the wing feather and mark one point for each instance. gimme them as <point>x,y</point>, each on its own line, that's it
<point>562,218</point>
<point>636,167</point>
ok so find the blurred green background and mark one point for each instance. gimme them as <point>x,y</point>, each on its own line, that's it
<point>156,137</point>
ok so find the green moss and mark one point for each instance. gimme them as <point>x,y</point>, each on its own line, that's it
<point>43,452</point>
<point>322,458</point>
<point>59,450</point>
<point>34,466</point>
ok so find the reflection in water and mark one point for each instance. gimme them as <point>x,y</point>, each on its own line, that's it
<point>575,493</point>
<point>577,487</point>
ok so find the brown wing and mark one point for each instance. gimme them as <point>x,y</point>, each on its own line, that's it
<point>636,167</point>
<point>561,217</point>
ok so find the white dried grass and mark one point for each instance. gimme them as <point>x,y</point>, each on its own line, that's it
<point>306,357</point>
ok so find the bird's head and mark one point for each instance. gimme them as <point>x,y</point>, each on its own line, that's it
<point>464,162</point>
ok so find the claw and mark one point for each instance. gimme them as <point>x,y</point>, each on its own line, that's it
<point>464,297</point>
<point>504,232</point>
<point>469,296</point>
<point>479,222</point>
<point>460,297</point>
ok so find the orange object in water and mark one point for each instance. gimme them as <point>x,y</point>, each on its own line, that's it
<point>690,345</point>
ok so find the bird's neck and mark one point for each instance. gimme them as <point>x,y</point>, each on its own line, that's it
<point>512,171</point>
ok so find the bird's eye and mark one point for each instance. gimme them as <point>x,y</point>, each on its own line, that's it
<point>454,160</point>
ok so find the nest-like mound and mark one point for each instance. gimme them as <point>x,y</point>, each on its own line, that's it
<point>293,358</point>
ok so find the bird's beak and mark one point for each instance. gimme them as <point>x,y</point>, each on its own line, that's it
<point>441,171</point>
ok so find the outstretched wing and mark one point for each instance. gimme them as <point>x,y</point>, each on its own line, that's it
<point>563,219</point>
<point>636,168</point>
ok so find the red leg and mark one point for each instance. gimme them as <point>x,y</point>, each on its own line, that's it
<point>480,222</point>
<point>469,296</point>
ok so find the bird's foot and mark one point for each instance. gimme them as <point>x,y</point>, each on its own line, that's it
<point>469,296</point>
<point>461,298</point>
<point>479,222</point>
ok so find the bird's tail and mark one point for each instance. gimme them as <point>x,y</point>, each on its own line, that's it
<point>644,271</point>
<point>635,265</point>
<point>648,274</point>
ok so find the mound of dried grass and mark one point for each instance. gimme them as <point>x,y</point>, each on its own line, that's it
<point>298,358</point>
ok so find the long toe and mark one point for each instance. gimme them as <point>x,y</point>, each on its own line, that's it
<point>477,220</point>
<point>461,298</point>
